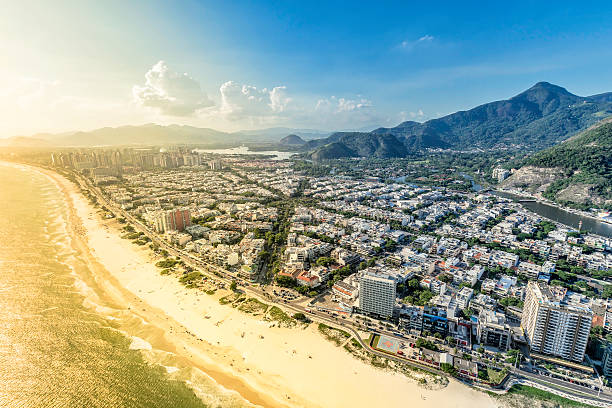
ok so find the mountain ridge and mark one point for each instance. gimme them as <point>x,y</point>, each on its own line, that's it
<point>536,118</point>
<point>154,134</point>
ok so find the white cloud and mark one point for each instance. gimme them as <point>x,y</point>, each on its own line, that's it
<point>240,102</point>
<point>345,113</point>
<point>335,105</point>
<point>418,116</point>
<point>411,45</point>
<point>170,92</point>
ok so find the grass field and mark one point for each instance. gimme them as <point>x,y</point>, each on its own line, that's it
<point>544,396</point>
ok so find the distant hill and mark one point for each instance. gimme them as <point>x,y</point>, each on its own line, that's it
<point>292,140</point>
<point>153,134</point>
<point>579,169</point>
<point>333,150</point>
<point>537,118</point>
<point>24,141</point>
<point>357,144</point>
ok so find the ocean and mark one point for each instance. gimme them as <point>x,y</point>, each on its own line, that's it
<point>63,343</point>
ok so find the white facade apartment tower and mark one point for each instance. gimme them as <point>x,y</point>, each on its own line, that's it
<point>554,325</point>
<point>377,294</point>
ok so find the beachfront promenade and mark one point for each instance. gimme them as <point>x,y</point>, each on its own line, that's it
<point>516,376</point>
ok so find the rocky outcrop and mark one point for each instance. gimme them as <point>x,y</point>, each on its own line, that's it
<point>533,179</point>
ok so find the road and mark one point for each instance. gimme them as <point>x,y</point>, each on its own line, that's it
<point>190,260</point>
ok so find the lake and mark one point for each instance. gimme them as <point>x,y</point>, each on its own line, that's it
<point>243,150</point>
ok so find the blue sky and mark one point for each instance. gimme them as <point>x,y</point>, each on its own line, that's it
<point>254,64</point>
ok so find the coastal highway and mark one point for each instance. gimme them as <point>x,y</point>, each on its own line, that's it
<point>568,388</point>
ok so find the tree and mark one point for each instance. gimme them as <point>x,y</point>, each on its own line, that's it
<point>324,261</point>
<point>233,286</point>
<point>286,281</point>
<point>448,368</point>
<point>607,292</point>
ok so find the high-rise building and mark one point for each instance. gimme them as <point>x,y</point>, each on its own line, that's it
<point>172,220</point>
<point>215,164</point>
<point>555,323</point>
<point>606,362</point>
<point>377,294</point>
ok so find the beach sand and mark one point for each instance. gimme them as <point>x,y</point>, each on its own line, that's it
<point>268,366</point>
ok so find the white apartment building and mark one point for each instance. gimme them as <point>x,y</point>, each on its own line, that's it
<point>377,294</point>
<point>554,324</point>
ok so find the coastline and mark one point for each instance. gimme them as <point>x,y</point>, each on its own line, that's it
<point>268,366</point>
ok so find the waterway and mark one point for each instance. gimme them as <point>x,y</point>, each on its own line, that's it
<point>244,150</point>
<point>562,216</point>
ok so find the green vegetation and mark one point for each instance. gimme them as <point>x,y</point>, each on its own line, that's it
<point>301,317</point>
<point>167,263</point>
<point>422,343</point>
<point>448,369</point>
<point>496,376</point>
<point>276,313</point>
<point>191,278</point>
<point>544,396</point>
<point>231,298</point>
<point>415,295</point>
<point>334,335</point>
<point>253,306</point>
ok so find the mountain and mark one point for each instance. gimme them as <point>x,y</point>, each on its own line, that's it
<point>152,134</point>
<point>357,144</point>
<point>579,170</point>
<point>537,118</point>
<point>292,140</point>
<point>333,150</point>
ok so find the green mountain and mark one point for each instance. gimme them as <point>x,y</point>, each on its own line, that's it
<point>537,118</point>
<point>291,140</point>
<point>332,150</point>
<point>579,169</point>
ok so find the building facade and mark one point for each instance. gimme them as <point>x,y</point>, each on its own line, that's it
<point>554,324</point>
<point>172,220</point>
<point>377,294</point>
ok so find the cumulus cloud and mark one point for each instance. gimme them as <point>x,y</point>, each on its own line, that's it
<point>411,45</point>
<point>338,105</point>
<point>239,105</point>
<point>345,113</point>
<point>418,116</point>
<point>248,102</point>
<point>170,92</point>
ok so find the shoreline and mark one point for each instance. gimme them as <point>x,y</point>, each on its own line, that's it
<point>306,369</point>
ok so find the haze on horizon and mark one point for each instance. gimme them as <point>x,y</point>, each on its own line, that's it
<point>319,65</point>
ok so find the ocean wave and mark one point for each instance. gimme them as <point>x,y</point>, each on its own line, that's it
<point>140,344</point>
<point>171,369</point>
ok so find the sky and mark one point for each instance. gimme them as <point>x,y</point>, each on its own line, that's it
<point>329,65</point>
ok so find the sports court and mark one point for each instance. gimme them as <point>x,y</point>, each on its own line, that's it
<point>388,344</point>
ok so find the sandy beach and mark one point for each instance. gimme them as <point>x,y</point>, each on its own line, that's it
<point>267,366</point>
